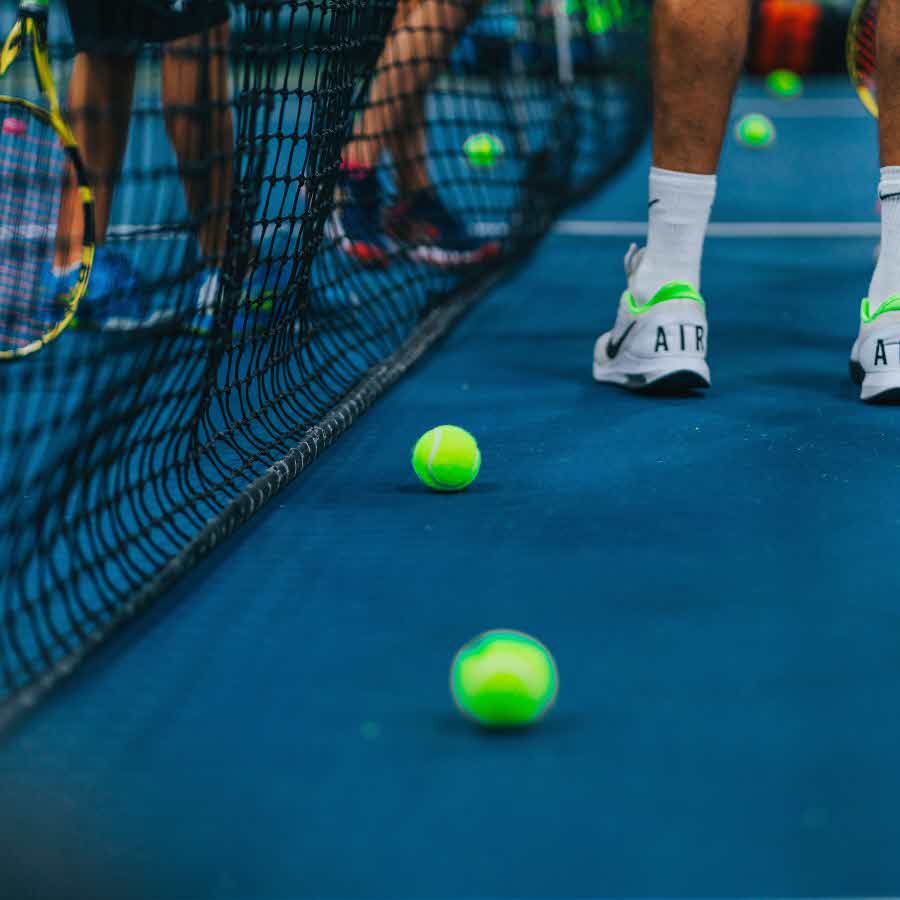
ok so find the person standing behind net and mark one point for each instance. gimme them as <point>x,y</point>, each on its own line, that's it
<point>659,337</point>
<point>109,35</point>
<point>422,37</point>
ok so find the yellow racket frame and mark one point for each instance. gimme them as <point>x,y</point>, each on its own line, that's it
<point>869,100</point>
<point>31,27</point>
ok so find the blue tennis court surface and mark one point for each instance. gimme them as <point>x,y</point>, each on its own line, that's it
<point>716,576</point>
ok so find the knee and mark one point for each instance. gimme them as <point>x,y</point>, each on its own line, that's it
<point>715,31</point>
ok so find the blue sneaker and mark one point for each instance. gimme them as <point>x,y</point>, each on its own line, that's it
<point>252,314</point>
<point>431,233</point>
<point>59,283</point>
<point>354,225</point>
<point>115,299</point>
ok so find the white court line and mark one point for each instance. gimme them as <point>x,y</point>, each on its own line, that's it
<point>814,108</point>
<point>603,228</point>
<point>179,231</point>
<point>594,228</point>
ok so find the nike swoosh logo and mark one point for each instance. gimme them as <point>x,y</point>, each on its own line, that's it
<point>652,203</point>
<point>613,347</point>
<point>888,196</point>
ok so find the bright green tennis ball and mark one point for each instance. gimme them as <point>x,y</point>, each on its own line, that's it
<point>599,20</point>
<point>784,83</point>
<point>504,678</point>
<point>483,150</point>
<point>756,131</point>
<point>446,458</point>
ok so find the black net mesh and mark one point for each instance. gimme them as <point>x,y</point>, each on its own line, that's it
<point>286,217</point>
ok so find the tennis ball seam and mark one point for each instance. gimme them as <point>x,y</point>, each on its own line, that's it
<point>435,446</point>
<point>475,650</point>
<point>473,471</point>
<point>435,439</point>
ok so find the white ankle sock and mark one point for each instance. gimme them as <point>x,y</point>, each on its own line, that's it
<point>680,204</point>
<point>886,279</point>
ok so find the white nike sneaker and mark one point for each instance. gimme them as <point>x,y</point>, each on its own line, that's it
<point>659,345</point>
<point>875,357</point>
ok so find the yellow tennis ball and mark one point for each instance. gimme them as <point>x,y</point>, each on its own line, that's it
<point>503,679</point>
<point>755,131</point>
<point>483,150</point>
<point>784,83</point>
<point>446,458</point>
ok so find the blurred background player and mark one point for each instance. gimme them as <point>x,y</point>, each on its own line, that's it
<point>363,224</point>
<point>659,337</point>
<point>109,35</point>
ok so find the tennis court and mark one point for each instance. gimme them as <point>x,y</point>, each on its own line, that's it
<point>714,574</point>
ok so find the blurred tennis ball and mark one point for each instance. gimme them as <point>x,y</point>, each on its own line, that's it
<point>756,131</point>
<point>784,84</point>
<point>483,150</point>
<point>599,20</point>
<point>446,458</point>
<point>503,679</point>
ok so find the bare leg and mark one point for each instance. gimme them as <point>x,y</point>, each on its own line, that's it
<point>422,37</point>
<point>408,147</point>
<point>873,359</point>
<point>885,281</point>
<point>698,51</point>
<point>100,93</point>
<point>199,122</point>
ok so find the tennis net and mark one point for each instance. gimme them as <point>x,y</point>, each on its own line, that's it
<point>292,221</point>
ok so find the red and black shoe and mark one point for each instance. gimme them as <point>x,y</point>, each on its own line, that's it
<point>354,225</point>
<point>431,234</point>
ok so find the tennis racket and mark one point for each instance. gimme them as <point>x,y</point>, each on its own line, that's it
<point>862,57</point>
<point>38,158</point>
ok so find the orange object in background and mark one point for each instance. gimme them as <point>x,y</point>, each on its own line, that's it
<point>784,36</point>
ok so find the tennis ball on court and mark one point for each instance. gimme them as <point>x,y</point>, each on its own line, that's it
<point>503,679</point>
<point>483,150</point>
<point>446,458</point>
<point>784,84</point>
<point>755,131</point>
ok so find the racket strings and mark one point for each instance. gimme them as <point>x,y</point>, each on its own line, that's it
<point>33,169</point>
<point>864,36</point>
